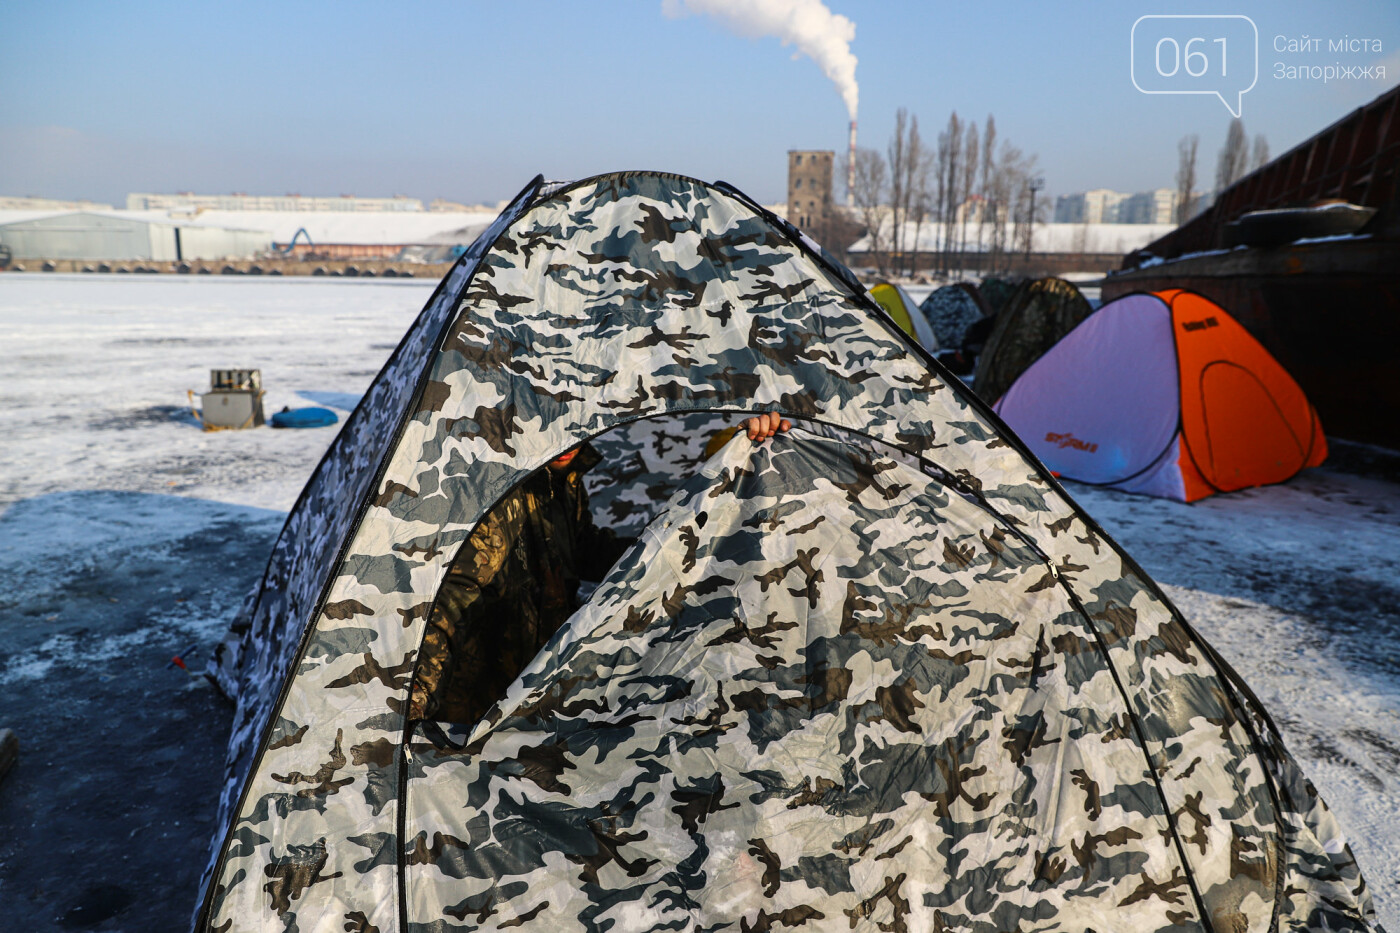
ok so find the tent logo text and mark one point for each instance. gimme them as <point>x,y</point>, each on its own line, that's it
<point>1200,325</point>
<point>1069,440</point>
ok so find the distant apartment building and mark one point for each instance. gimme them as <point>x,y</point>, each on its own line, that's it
<point>1099,206</point>
<point>809,187</point>
<point>1102,206</point>
<point>255,202</point>
<point>1149,207</point>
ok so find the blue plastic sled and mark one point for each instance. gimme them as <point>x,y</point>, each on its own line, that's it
<point>304,418</point>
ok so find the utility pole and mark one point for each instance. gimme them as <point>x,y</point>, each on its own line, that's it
<point>1035,184</point>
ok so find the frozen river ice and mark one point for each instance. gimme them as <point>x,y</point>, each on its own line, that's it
<point>128,535</point>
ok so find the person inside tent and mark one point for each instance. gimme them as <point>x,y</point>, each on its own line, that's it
<point>515,581</point>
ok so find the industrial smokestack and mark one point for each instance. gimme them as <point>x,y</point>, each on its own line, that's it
<point>851,169</point>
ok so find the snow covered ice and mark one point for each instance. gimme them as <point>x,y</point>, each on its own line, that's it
<point>127,534</point>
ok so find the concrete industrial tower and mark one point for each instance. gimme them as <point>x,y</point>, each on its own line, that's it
<point>809,187</point>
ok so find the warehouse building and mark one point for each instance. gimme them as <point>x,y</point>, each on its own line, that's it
<point>188,201</point>
<point>173,236</point>
<point>30,203</point>
<point>104,236</point>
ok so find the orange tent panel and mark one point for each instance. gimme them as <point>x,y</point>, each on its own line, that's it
<point>1193,484</point>
<point>1244,421</point>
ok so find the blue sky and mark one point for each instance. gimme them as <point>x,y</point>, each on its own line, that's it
<point>469,100</point>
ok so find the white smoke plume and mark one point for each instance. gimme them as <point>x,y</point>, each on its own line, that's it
<point>818,33</point>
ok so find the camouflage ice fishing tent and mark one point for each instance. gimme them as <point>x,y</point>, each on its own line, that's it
<point>1036,316</point>
<point>951,310</point>
<point>877,675</point>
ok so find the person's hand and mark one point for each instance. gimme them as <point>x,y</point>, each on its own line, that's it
<point>761,427</point>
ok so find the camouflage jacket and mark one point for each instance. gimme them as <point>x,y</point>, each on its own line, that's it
<point>510,587</point>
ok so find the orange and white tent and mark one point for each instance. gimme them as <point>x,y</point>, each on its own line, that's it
<point>1168,395</point>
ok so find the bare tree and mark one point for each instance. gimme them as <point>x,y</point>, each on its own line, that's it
<point>913,184</point>
<point>922,200</point>
<point>1001,189</point>
<point>989,151</point>
<point>898,156</point>
<point>915,187</point>
<point>869,196</point>
<point>950,151</point>
<point>1234,156</point>
<point>939,194</point>
<point>1009,190</point>
<point>1027,212</point>
<point>1186,176</point>
<point>1261,152</point>
<point>969,182</point>
<point>908,179</point>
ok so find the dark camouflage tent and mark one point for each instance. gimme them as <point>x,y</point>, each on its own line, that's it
<point>876,674</point>
<point>1036,316</point>
<point>997,293</point>
<point>951,310</point>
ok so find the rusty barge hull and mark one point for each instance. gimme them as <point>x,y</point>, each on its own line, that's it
<point>1328,311</point>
